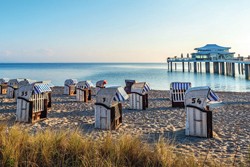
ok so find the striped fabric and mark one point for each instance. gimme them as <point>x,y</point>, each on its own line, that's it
<point>119,97</point>
<point>40,88</point>
<point>146,88</point>
<point>212,96</point>
<point>181,85</point>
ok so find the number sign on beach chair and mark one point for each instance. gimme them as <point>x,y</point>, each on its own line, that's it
<point>108,108</point>
<point>31,102</point>
<point>83,91</point>
<point>177,93</point>
<point>138,98</point>
<point>70,87</point>
<point>3,86</point>
<point>198,115</point>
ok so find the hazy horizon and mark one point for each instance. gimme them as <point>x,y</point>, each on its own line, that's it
<point>106,31</point>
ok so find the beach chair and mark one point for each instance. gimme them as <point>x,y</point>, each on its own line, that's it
<point>3,86</point>
<point>31,102</point>
<point>83,91</point>
<point>70,87</point>
<point>108,108</point>
<point>128,86</point>
<point>138,97</point>
<point>12,87</point>
<point>177,93</point>
<point>100,84</point>
<point>198,115</point>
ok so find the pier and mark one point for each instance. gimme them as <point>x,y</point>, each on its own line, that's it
<point>228,67</point>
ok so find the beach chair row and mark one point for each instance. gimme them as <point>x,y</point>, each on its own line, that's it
<point>33,102</point>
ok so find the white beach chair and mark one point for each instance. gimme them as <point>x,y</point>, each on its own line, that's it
<point>198,115</point>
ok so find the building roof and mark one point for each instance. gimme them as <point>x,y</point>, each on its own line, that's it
<point>213,52</point>
<point>212,47</point>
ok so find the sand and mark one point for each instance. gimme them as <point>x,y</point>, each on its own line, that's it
<point>231,123</point>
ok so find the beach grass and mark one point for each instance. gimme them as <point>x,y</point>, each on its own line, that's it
<point>71,148</point>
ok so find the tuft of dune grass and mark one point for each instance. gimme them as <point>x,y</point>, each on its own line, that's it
<point>71,148</point>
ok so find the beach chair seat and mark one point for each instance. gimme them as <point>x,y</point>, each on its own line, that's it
<point>177,93</point>
<point>198,115</point>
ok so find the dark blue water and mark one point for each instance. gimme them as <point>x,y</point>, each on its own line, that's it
<point>156,74</point>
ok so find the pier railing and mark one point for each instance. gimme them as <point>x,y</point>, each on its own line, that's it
<point>220,66</point>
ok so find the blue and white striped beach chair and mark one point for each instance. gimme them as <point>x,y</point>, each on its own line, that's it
<point>198,115</point>
<point>177,93</point>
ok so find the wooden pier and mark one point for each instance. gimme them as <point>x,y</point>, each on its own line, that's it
<point>223,67</point>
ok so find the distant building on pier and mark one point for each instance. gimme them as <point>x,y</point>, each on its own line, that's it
<point>212,52</point>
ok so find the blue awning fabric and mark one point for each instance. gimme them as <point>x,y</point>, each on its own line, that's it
<point>181,85</point>
<point>146,88</point>
<point>212,96</point>
<point>41,88</point>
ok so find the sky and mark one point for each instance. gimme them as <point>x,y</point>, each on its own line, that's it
<point>119,30</point>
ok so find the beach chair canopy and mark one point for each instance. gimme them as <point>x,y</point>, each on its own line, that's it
<point>84,84</point>
<point>4,80</point>
<point>26,82</point>
<point>140,88</point>
<point>111,95</point>
<point>48,83</point>
<point>180,85</point>
<point>129,82</point>
<point>15,82</point>
<point>27,91</point>
<point>200,96</point>
<point>69,82</point>
<point>101,83</point>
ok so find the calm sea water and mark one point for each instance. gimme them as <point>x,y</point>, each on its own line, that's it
<point>156,74</point>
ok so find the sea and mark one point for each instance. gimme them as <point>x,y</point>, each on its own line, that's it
<point>156,74</point>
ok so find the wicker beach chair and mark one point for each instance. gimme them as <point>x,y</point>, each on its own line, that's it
<point>198,115</point>
<point>177,93</point>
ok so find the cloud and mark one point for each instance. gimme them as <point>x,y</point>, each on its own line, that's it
<point>45,52</point>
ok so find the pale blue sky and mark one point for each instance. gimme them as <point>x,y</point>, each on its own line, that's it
<point>119,30</point>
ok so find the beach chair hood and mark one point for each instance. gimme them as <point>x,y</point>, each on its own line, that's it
<point>15,82</point>
<point>27,91</point>
<point>84,84</point>
<point>69,82</point>
<point>101,83</point>
<point>140,88</point>
<point>26,82</point>
<point>4,80</point>
<point>180,85</point>
<point>200,96</point>
<point>111,95</point>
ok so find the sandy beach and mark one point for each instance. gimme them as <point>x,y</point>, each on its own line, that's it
<point>230,122</point>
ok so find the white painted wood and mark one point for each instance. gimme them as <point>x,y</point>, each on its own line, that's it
<point>80,95</point>
<point>102,118</point>
<point>66,90</point>
<point>196,122</point>
<point>135,101</point>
